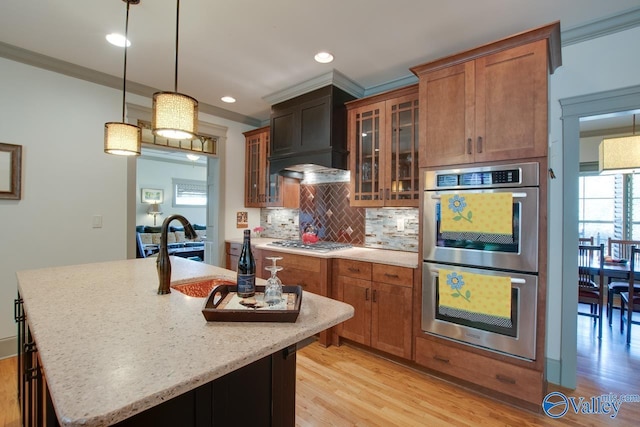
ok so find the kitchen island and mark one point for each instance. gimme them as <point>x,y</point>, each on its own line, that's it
<point>112,350</point>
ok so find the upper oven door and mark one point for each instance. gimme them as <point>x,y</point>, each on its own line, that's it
<point>518,252</point>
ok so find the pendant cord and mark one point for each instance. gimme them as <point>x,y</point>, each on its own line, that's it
<point>124,78</point>
<point>175,82</point>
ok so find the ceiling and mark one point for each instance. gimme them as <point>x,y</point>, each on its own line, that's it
<point>252,49</point>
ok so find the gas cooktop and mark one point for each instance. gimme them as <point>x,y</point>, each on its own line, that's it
<point>316,247</point>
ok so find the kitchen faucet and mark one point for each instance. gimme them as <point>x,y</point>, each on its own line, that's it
<point>163,264</point>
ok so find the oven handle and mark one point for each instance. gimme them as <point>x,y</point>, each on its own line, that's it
<point>514,195</point>
<point>514,280</point>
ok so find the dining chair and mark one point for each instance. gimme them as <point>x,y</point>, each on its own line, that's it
<point>591,281</point>
<point>630,298</point>
<point>620,249</point>
<point>585,240</point>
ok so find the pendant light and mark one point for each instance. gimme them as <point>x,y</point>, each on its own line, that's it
<point>174,115</point>
<point>121,138</point>
<point>620,155</point>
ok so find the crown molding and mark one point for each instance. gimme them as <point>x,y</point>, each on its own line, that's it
<point>602,27</point>
<point>45,62</point>
<point>391,85</point>
<point>333,77</point>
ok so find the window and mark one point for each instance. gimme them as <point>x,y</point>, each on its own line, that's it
<point>606,206</point>
<point>189,192</point>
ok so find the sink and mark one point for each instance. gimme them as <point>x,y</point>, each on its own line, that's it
<point>201,289</point>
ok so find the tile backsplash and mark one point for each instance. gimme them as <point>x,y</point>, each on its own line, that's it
<point>324,203</point>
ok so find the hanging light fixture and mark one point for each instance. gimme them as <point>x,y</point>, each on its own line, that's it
<point>175,115</point>
<point>620,155</point>
<point>119,137</point>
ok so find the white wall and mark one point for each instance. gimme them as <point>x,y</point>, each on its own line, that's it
<point>158,174</point>
<point>597,65</point>
<point>67,178</point>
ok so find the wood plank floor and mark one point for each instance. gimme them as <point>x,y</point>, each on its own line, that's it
<point>345,386</point>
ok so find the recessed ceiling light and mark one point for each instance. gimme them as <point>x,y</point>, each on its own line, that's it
<point>117,40</point>
<point>228,99</point>
<point>323,57</point>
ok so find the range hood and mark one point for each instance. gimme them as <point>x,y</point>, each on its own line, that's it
<point>309,133</point>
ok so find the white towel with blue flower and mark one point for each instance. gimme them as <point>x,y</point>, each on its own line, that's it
<point>490,213</point>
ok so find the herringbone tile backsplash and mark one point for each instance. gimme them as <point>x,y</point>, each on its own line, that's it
<point>326,207</point>
<point>324,203</point>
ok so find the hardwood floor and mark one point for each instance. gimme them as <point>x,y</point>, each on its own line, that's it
<point>345,386</point>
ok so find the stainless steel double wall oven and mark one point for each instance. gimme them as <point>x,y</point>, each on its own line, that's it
<point>514,256</point>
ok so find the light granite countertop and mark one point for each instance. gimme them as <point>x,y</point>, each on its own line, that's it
<point>111,347</point>
<point>356,253</point>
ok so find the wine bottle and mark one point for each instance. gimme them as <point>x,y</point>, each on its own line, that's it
<point>246,279</point>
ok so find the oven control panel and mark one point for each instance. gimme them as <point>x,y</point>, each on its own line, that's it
<point>478,179</point>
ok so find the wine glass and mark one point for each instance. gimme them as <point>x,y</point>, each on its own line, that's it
<point>273,290</point>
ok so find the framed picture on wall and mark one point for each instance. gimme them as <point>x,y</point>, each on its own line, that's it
<point>10,171</point>
<point>151,195</point>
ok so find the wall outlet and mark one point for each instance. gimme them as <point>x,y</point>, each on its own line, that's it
<point>96,221</point>
<point>268,218</point>
<point>400,224</point>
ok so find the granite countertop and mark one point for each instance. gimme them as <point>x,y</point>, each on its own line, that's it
<point>111,347</point>
<point>356,253</point>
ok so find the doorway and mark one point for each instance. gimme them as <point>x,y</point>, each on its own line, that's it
<point>214,242</point>
<point>573,110</point>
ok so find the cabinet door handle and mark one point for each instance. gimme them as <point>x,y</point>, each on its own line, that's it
<point>388,196</point>
<point>469,145</point>
<point>354,270</point>
<point>381,195</point>
<point>441,359</point>
<point>393,276</point>
<point>18,313</point>
<point>479,144</point>
<point>366,294</point>
<point>505,379</point>
<point>374,295</point>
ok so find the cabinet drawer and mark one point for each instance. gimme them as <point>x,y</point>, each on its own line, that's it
<point>235,248</point>
<point>292,261</point>
<point>394,275</point>
<point>355,269</point>
<point>309,282</point>
<point>516,381</point>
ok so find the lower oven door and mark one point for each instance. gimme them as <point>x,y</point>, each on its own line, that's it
<point>512,333</point>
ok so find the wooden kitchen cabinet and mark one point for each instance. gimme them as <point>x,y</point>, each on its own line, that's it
<point>263,189</point>
<point>233,250</point>
<point>489,103</point>
<point>312,273</point>
<point>383,149</point>
<point>382,299</point>
<point>514,381</point>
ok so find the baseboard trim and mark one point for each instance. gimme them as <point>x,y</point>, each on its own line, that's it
<point>8,347</point>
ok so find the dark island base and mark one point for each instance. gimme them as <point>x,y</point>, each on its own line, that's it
<point>259,394</point>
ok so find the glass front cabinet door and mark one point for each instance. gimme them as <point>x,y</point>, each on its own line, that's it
<point>383,149</point>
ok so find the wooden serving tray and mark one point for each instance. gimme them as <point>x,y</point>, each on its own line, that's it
<point>218,306</point>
